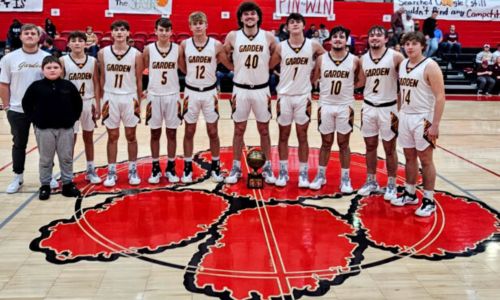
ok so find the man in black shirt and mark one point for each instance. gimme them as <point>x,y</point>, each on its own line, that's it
<point>428,30</point>
<point>54,105</point>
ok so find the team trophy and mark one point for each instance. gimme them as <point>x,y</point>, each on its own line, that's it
<point>255,159</point>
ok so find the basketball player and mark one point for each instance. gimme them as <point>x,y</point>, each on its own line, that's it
<point>297,55</point>
<point>251,49</point>
<point>201,55</point>
<point>19,69</point>
<point>81,70</point>
<point>379,113</point>
<point>338,71</point>
<point>422,96</point>
<point>121,77</point>
<point>164,104</point>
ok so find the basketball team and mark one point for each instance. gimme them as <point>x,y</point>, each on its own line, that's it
<point>403,101</point>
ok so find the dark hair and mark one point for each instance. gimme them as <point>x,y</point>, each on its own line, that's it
<point>340,29</point>
<point>50,59</point>
<point>414,36</point>
<point>296,17</point>
<point>322,26</point>
<point>49,41</point>
<point>163,22</point>
<point>77,35</point>
<point>120,23</point>
<point>248,6</point>
<point>376,28</point>
<point>47,21</point>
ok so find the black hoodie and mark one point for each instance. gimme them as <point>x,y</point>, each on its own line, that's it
<point>52,103</point>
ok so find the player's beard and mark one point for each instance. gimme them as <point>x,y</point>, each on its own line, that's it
<point>376,46</point>
<point>338,48</point>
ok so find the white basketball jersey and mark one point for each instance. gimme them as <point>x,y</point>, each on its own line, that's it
<point>296,67</point>
<point>163,78</point>
<point>81,75</point>
<point>251,58</point>
<point>337,80</point>
<point>119,71</point>
<point>381,78</point>
<point>416,93</point>
<point>201,63</point>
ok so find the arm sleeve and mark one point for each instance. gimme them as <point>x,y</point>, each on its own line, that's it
<point>76,98</point>
<point>28,101</point>
<point>5,70</point>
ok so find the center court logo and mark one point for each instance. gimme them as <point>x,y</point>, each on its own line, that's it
<point>265,243</point>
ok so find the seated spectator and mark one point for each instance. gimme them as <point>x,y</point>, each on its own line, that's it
<point>48,46</point>
<point>451,44</point>
<point>324,34</point>
<point>91,44</point>
<point>485,55</point>
<point>398,48</point>
<point>392,39</point>
<point>283,33</point>
<point>438,37</point>
<point>408,23</point>
<point>485,81</point>
<point>496,53</point>
<point>222,74</point>
<point>310,31</point>
<point>13,41</point>
<point>496,75</point>
<point>316,37</point>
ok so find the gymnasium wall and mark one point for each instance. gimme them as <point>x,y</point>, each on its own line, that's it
<point>357,16</point>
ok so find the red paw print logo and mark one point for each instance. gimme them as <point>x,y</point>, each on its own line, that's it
<point>269,243</point>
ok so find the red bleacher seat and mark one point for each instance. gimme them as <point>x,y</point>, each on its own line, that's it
<point>140,36</point>
<point>182,36</point>
<point>105,41</point>
<point>61,43</point>
<point>214,35</point>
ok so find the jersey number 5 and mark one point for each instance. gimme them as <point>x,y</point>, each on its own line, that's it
<point>164,77</point>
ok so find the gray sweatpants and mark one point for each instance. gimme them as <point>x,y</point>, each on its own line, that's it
<point>50,142</point>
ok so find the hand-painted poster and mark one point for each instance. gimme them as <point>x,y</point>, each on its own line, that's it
<point>463,10</point>
<point>21,5</point>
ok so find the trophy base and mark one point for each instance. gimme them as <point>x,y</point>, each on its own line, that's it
<point>255,181</point>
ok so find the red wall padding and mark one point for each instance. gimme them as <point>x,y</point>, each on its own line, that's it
<point>77,14</point>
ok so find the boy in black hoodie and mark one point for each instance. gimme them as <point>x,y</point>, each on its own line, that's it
<point>54,105</point>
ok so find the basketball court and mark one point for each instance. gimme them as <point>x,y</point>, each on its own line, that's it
<point>204,240</point>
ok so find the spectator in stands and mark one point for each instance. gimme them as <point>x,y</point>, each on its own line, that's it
<point>397,22</point>
<point>408,23</point>
<point>417,25</point>
<point>316,37</point>
<point>324,34</point>
<point>222,73</point>
<point>451,44</point>
<point>392,39</point>
<point>48,46</point>
<point>13,40</point>
<point>399,49</point>
<point>438,36</point>
<point>283,34</point>
<point>496,54</point>
<point>428,29</point>
<point>485,81</point>
<point>91,43</point>
<point>310,31</point>
<point>485,55</point>
<point>43,35</point>
<point>50,28</point>
<point>496,74</point>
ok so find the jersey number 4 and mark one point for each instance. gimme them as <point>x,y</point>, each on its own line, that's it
<point>82,90</point>
<point>406,96</point>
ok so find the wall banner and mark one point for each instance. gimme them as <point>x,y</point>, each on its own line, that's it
<point>463,10</point>
<point>155,7</point>
<point>307,8</point>
<point>21,5</point>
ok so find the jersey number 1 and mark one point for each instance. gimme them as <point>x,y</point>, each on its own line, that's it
<point>406,96</point>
